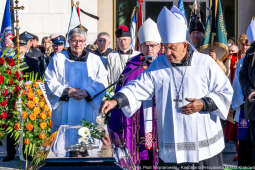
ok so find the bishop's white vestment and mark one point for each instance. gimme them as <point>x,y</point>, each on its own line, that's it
<point>62,73</point>
<point>183,138</point>
<point>116,63</point>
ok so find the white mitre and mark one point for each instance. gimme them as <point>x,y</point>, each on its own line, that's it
<point>251,31</point>
<point>149,32</point>
<point>172,25</point>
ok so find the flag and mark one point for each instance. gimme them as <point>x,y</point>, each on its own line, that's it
<point>74,22</point>
<point>79,13</point>
<point>133,29</point>
<point>215,32</point>
<point>6,34</point>
<point>140,14</point>
<point>181,7</point>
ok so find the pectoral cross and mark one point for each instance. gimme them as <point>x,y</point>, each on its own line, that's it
<point>177,101</point>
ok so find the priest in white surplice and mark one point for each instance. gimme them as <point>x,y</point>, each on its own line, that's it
<point>192,93</point>
<point>116,61</point>
<point>72,78</point>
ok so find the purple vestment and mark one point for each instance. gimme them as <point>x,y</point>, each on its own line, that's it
<point>132,129</point>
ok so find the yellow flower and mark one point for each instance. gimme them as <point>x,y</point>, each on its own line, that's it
<point>43,116</point>
<point>39,92</point>
<point>27,86</point>
<point>26,141</point>
<point>37,110</point>
<point>32,116</point>
<point>24,115</point>
<point>29,126</point>
<point>46,108</point>
<point>36,100</point>
<point>41,104</point>
<point>30,104</point>
<point>43,125</point>
<point>53,135</point>
<point>42,135</point>
<point>30,95</point>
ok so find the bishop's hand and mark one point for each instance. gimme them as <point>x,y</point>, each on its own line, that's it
<point>108,105</point>
<point>196,105</point>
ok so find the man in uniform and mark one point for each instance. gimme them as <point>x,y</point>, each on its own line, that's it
<point>33,57</point>
<point>58,44</point>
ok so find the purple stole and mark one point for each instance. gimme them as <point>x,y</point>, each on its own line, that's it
<point>132,129</point>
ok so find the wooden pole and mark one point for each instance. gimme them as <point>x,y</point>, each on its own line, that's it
<point>114,24</point>
<point>17,8</point>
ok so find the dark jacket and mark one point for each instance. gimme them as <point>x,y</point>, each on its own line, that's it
<point>34,61</point>
<point>247,80</point>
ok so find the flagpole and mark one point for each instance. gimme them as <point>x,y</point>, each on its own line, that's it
<point>16,8</point>
<point>114,24</point>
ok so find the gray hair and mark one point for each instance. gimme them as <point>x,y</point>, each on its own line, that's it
<point>76,31</point>
<point>104,34</point>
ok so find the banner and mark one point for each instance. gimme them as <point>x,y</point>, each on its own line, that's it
<point>6,35</point>
<point>215,32</point>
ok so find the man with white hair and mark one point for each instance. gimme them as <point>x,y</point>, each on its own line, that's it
<point>139,131</point>
<point>103,43</point>
<point>191,94</point>
<point>72,78</point>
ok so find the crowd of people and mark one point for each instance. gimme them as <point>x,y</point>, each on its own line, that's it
<point>170,101</point>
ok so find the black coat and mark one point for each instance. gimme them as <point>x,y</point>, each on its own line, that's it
<point>35,62</point>
<point>247,81</point>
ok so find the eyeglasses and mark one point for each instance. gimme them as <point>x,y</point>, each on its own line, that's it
<point>77,41</point>
<point>150,45</point>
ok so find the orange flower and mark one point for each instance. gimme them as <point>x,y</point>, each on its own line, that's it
<point>27,86</point>
<point>37,110</point>
<point>26,141</point>
<point>36,100</point>
<point>29,126</point>
<point>41,104</point>
<point>17,126</point>
<point>24,115</point>
<point>52,136</point>
<point>30,95</point>
<point>32,116</point>
<point>46,142</point>
<point>35,84</point>
<point>39,92</point>
<point>49,114</point>
<point>46,108</point>
<point>30,104</point>
<point>43,125</point>
<point>43,116</point>
<point>42,135</point>
<point>30,91</point>
<point>50,123</point>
